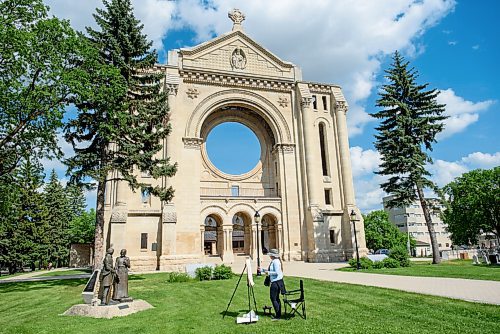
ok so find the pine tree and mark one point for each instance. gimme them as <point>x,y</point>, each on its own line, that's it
<point>76,200</point>
<point>26,227</point>
<point>125,129</point>
<point>57,217</point>
<point>410,120</point>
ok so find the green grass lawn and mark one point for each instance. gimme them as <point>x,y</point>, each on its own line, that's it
<point>452,269</point>
<point>197,307</point>
<point>66,272</point>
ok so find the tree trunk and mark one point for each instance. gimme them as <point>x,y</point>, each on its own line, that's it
<point>99,227</point>
<point>428,221</point>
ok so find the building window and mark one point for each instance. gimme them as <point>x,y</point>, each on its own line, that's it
<point>324,152</point>
<point>324,103</point>
<point>328,196</point>
<point>332,236</point>
<point>235,191</point>
<point>145,196</point>
<point>447,244</point>
<point>144,241</point>
<point>145,174</point>
<point>315,103</point>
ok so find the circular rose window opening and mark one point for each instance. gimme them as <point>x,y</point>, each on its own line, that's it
<point>233,148</point>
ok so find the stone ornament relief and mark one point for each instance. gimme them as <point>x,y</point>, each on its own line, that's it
<point>192,93</point>
<point>193,143</point>
<point>236,16</point>
<point>119,217</point>
<point>341,106</point>
<point>283,101</point>
<point>238,59</point>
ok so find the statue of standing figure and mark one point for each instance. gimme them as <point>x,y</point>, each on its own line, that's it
<point>106,277</point>
<point>120,288</point>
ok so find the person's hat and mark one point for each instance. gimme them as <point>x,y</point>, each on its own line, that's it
<point>274,253</point>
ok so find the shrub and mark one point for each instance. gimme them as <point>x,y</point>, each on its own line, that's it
<point>364,263</point>
<point>178,277</point>
<point>378,265</point>
<point>223,272</point>
<point>390,263</point>
<point>400,254</point>
<point>204,273</point>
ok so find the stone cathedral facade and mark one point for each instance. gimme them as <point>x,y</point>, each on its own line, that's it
<point>302,186</point>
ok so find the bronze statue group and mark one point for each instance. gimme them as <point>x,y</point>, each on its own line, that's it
<point>114,279</point>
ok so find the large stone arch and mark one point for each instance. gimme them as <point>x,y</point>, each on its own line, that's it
<point>248,99</point>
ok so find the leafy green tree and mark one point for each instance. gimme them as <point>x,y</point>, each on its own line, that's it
<point>380,233</point>
<point>57,217</point>
<point>76,200</point>
<point>82,227</point>
<point>410,120</point>
<point>473,205</point>
<point>123,130</point>
<point>39,75</point>
<point>23,228</point>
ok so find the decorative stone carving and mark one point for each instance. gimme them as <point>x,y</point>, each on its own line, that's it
<point>119,216</point>
<point>306,102</point>
<point>171,89</point>
<point>283,101</point>
<point>316,213</point>
<point>341,106</point>
<point>237,17</point>
<point>193,143</point>
<point>285,148</point>
<point>192,93</point>
<point>238,59</point>
<point>169,215</point>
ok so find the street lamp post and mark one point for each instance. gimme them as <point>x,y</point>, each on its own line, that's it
<point>256,217</point>
<point>353,219</point>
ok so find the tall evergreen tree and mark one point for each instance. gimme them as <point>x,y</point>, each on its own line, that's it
<point>24,227</point>
<point>123,132</point>
<point>410,119</point>
<point>57,219</point>
<point>76,200</point>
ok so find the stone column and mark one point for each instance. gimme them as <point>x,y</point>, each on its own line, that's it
<point>345,156</point>
<point>202,238</point>
<point>228,256</point>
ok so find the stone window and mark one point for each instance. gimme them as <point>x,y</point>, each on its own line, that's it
<point>144,241</point>
<point>328,196</point>
<point>315,103</point>
<point>324,151</point>
<point>325,107</point>
<point>332,236</point>
<point>235,191</point>
<point>145,196</point>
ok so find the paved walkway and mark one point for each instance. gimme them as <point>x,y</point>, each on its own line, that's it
<point>465,289</point>
<point>33,276</point>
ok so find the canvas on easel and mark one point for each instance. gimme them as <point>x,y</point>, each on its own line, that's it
<point>250,316</point>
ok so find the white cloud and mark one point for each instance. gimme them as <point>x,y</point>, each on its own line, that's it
<point>444,172</point>
<point>482,160</point>
<point>341,41</point>
<point>475,47</point>
<point>461,112</point>
<point>156,15</point>
<point>452,43</point>
<point>364,161</point>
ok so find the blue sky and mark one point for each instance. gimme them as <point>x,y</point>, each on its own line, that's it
<point>453,44</point>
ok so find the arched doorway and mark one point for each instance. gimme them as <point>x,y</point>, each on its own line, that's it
<point>213,244</point>
<point>242,234</point>
<point>269,233</point>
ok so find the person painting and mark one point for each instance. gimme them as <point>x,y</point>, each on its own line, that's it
<point>277,286</point>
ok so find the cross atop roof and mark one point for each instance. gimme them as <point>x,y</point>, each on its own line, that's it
<point>237,17</point>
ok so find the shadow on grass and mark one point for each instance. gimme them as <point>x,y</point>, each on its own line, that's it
<point>40,285</point>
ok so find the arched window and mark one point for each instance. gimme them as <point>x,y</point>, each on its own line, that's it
<point>324,150</point>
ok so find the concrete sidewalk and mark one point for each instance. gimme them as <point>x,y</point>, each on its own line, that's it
<point>465,289</point>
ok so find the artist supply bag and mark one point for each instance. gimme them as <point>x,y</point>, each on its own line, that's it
<point>267,281</point>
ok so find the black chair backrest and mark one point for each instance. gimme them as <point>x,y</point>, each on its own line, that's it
<point>301,290</point>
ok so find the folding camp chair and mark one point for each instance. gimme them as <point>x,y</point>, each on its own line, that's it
<point>294,300</point>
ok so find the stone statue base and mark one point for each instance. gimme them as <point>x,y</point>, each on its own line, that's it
<point>108,311</point>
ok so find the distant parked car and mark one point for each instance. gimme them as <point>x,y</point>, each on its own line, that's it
<point>382,251</point>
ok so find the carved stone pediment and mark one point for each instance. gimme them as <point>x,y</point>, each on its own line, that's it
<point>236,52</point>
